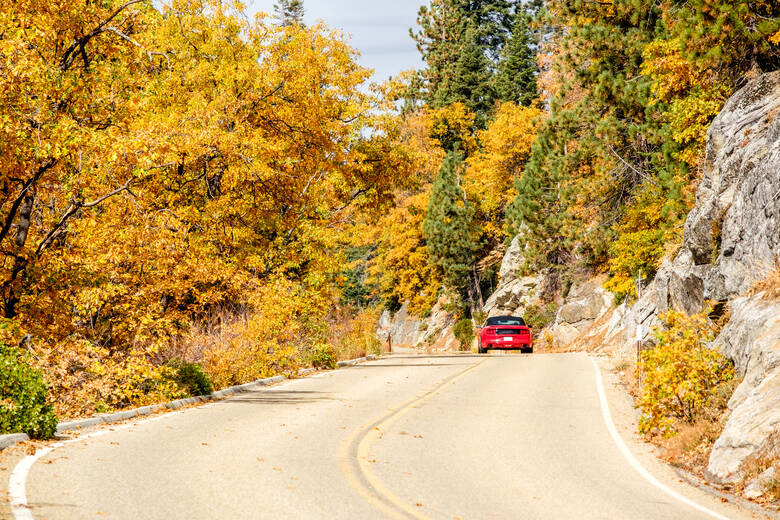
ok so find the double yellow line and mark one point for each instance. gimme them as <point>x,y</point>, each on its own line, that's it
<point>354,456</point>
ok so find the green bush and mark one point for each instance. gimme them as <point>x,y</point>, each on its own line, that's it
<point>323,356</point>
<point>191,377</point>
<point>538,317</point>
<point>23,406</point>
<point>464,331</point>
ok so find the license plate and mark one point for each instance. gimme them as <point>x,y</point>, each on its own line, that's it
<point>507,339</point>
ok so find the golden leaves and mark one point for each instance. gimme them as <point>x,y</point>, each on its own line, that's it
<point>246,145</point>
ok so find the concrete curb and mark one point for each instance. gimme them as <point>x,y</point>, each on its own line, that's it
<point>355,361</point>
<point>12,438</point>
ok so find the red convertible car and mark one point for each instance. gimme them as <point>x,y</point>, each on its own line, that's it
<point>505,332</point>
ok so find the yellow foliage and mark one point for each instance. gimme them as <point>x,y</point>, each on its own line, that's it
<point>504,149</point>
<point>671,72</point>
<point>694,95</point>
<point>690,118</point>
<point>680,373</point>
<point>283,319</point>
<point>403,269</point>
<point>161,166</point>
<point>353,336</point>
<point>640,244</point>
<point>451,125</point>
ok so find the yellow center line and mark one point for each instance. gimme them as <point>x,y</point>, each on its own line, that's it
<point>356,447</point>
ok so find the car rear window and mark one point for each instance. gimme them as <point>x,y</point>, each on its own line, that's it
<point>505,320</point>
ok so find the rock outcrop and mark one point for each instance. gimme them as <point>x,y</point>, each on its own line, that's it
<point>732,241</point>
<point>514,293</point>
<point>405,331</point>
<point>585,303</point>
<point>752,340</point>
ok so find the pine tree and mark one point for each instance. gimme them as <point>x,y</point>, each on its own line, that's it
<point>472,78</point>
<point>449,228</point>
<point>289,12</point>
<point>462,37</point>
<point>517,69</point>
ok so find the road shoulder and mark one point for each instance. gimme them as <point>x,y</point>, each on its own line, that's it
<point>625,417</point>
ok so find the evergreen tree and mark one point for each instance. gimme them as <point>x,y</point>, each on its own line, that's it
<point>462,37</point>
<point>449,230</point>
<point>289,12</point>
<point>517,69</point>
<point>472,78</point>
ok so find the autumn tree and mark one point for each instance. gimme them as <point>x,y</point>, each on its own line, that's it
<point>488,181</point>
<point>157,174</point>
<point>404,269</point>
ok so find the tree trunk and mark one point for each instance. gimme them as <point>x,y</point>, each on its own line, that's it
<point>479,289</point>
<point>470,291</point>
<point>20,261</point>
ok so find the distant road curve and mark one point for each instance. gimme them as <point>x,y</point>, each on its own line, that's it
<point>421,437</point>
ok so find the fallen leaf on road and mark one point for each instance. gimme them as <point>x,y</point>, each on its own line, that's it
<point>418,504</point>
<point>277,469</point>
<point>260,459</point>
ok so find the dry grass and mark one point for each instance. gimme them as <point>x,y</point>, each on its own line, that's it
<point>772,490</point>
<point>353,335</point>
<point>692,444</point>
<point>754,466</point>
<point>769,287</point>
<point>627,373</point>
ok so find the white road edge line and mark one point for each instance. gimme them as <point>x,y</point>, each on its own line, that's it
<point>630,457</point>
<point>17,483</point>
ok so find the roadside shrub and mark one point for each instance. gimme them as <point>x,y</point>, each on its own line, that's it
<point>23,406</point>
<point>538,317</point>
<point>464,331</point>
<point>353,334</point>
<point>323,356</point>
<point>191,377</point>
<point>680,373</point>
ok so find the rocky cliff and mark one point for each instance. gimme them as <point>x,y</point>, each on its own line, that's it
<point>731,242</point>
<point>403,331</point>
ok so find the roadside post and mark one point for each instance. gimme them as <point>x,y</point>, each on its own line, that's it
<point>639,333</point>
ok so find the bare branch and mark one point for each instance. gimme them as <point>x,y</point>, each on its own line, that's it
<point>25,188</point>
<point>79,43</point>
<point>74,207</point>
<point>643,175</point>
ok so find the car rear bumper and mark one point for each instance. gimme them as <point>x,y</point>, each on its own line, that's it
<point>509,346</point>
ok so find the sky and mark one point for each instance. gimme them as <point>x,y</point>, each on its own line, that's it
<point>379,29</point>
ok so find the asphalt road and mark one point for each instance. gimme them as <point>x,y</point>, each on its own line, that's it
<point>505,437</point>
